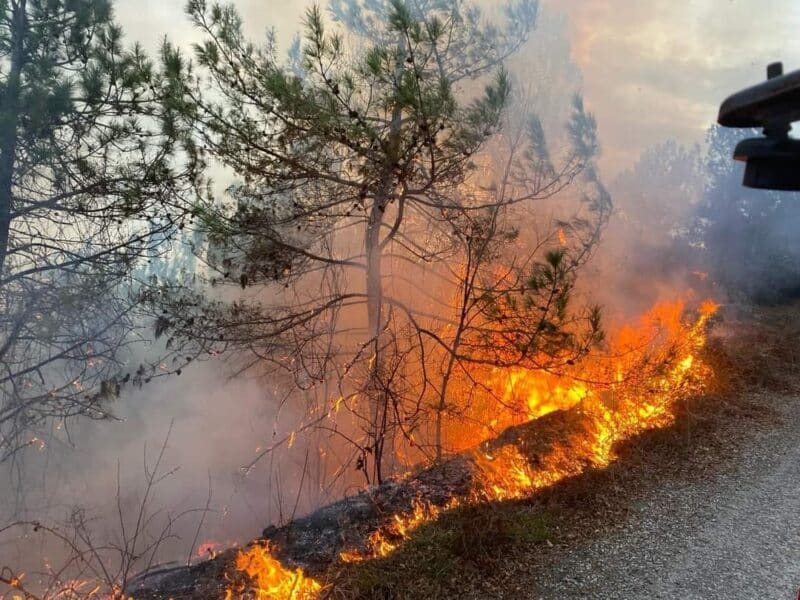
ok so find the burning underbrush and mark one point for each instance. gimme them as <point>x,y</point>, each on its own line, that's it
<point>557,427</point>
<point>268,578</point>
<point>566,436</point>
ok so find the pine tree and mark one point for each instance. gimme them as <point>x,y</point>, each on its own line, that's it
<point>352,157</point>
<point>92,174</point>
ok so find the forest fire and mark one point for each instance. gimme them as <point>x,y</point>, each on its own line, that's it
<point>649,368</point>
<point>633,387</point>
<point>400,249</point>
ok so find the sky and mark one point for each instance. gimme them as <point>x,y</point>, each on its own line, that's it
<point>655,69</point>
<point>652,69</point>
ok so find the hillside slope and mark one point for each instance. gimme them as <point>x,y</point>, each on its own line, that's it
<point>705,508</point>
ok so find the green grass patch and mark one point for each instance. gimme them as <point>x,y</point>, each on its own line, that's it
<point>460,543</point>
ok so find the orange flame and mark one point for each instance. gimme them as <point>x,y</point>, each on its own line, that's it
<point>385,540</point>
<point>270,579</point>
<point>542,393</point>
<point>632,403</point>
<point>634,387</point>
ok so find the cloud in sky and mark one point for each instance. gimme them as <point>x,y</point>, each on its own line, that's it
<point>655,69</point>
<point>652,69</point>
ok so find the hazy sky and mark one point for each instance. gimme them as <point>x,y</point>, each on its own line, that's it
<point>652,69</point>
<point>660,68</point>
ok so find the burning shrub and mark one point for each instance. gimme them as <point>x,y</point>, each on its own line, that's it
<point>269,580</point>
<point>636,386</point>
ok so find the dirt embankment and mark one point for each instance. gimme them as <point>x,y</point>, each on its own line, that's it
<point>699,510</point>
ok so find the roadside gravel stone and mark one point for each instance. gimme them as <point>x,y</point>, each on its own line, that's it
<point>734,535</point>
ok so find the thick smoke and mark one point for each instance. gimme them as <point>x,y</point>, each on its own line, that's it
<point>646,254</point>
<point>212,425</point>
<point>686,225</point>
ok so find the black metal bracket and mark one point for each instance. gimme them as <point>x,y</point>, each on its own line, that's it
<point>773,162</point>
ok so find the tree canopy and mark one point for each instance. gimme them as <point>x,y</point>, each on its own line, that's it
<point>93,174</point>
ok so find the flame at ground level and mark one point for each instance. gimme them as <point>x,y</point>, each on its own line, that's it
<point>270,580</point>
<point>634,387</point>
<point>649,369</point>
<point>385,540</point>
<point>643,364</point>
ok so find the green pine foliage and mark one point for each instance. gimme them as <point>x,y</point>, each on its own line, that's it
<point>357,154</point>
<point>93,173</point>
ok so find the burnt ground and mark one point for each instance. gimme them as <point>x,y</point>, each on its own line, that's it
<point>705,509</point>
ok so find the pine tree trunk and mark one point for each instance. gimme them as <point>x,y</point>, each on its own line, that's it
<point>374,317</point>
<point>374,253</point>
<point>374,250</point>
<point>9,119</point>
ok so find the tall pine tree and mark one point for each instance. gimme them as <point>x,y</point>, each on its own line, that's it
<point>91,179</point>
<point>353,158</point>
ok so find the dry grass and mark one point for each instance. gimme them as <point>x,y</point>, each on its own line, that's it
<point>759,350</point>
<point>461,544</point>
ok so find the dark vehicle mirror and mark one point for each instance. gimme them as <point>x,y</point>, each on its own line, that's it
<point>772,161</point>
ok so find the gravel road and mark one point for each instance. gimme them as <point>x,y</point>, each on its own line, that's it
<point>733,536</point>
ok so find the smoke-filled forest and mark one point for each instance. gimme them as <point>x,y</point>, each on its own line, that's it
<point>397,299</point>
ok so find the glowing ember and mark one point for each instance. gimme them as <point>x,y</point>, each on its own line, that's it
<point>269,579</point>
<point>208,550</point>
